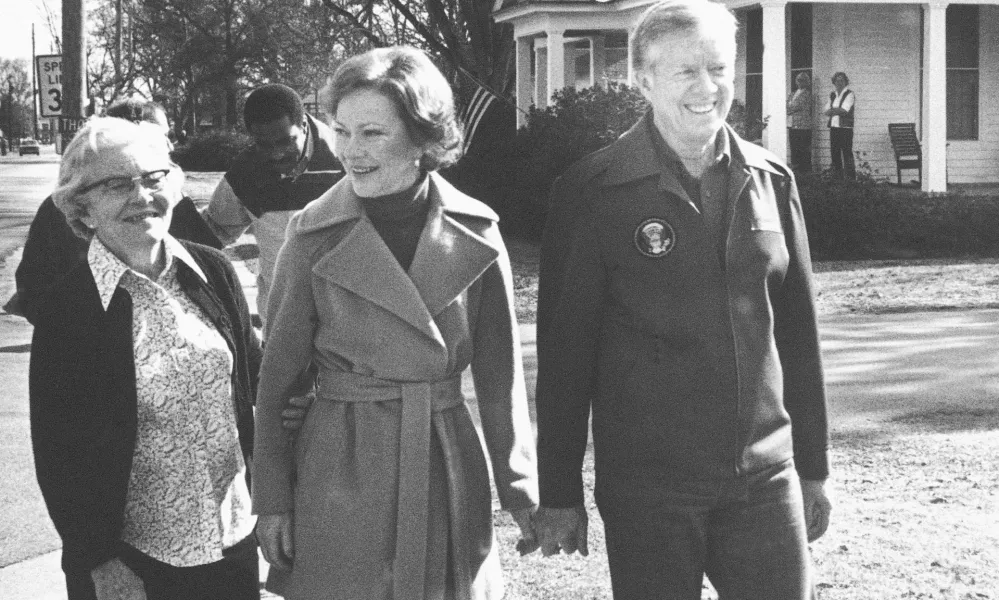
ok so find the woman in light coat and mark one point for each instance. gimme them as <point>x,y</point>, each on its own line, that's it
<point>390,285</point>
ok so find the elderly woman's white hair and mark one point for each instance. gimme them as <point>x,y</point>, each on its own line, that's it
<point>98,136</point>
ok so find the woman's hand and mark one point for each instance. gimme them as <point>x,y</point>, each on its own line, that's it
<point>528,541</point>
<point>274,532</point>
<point>115,581</point>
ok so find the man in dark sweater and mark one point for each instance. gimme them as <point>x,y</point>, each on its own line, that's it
<point>290,164</point>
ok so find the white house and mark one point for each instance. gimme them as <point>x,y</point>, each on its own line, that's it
<point>925,63</point>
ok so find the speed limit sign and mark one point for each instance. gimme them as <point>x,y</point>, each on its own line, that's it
<point>50,84</point>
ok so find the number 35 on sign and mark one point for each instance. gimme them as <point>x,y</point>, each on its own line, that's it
<point>50,84</point>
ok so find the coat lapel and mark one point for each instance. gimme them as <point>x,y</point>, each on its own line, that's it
<point>449,256</point>
<point>363,265</point>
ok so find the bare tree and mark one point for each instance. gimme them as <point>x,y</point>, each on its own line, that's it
<point>475,50</point>
<point>15,97</point>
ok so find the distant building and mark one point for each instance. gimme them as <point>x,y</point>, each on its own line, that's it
<point>930,64</point>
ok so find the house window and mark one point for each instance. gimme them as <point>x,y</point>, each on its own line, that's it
<point>962,72</point>
<point>800,41</point>
<point>754,65</point>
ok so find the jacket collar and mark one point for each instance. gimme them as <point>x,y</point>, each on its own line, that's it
<point>449,256</point>
<point>637,145</point>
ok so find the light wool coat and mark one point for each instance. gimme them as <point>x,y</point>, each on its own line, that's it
<point>388,481</point>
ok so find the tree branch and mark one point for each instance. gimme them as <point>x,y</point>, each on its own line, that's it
<point>354,22</point>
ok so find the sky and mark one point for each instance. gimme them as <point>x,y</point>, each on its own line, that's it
<point>16,17</point>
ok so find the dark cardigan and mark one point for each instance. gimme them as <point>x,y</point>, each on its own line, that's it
<point>83,397</point>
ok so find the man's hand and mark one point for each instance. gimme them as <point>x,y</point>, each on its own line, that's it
<point>113,580</point>
<point>817,508</point>
<point>528,541</point>
<point>274,532</point>
<point>293,415</point>
<point>562,530</point>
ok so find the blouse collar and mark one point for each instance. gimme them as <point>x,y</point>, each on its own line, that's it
<point>108,269</point>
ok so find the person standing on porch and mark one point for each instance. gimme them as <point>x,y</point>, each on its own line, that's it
<point>840,109</point>
<point>799,124</point>
<point>676,309</point>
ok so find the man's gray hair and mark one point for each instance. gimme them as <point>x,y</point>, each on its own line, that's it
<point>673,17</point>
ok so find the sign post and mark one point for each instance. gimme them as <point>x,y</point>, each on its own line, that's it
<point>50,84</point>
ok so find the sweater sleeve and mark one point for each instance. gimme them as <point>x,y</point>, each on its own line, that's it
<point>287,354</point>
<point>497,369</point>
<point>225,214</point>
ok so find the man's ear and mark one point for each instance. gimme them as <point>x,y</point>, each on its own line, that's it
<point>645,83</point>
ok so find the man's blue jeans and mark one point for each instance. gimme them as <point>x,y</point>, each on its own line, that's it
<point>746,533</point>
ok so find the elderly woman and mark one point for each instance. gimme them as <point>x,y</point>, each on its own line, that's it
<point>392,283</point>
<point>799,123</point>
<point>143,374</point>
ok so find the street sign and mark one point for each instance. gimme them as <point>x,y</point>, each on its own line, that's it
<point>70,125</point>
<point>50,84</point>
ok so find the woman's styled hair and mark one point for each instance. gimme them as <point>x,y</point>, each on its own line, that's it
<point>679,17</point>
<point>803,77</point>
<point>98,136</point>
<point>840,74</point>
<point>419,91</point>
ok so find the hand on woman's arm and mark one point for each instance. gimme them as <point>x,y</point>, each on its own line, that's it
<point>274,532</point>
<point>113,580</point>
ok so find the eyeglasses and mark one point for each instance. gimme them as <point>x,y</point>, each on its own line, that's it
<point>152,180</point>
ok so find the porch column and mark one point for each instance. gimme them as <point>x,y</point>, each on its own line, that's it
<point>556,62</point>
<point>934,140</point>
<point>631,57</point>
<point>598,60</point>
<point>775,76</point>
<point>525,87</point>
<point>540,72</point>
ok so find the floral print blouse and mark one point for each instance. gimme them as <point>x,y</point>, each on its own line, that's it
<point>187,494</point>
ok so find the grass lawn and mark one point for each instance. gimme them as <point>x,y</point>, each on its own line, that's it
<point>917,507</point>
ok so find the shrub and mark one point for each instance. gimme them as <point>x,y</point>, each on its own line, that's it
<point>866,219</point>
<point>211,151</point>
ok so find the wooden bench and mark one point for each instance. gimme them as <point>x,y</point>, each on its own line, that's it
<point>908,152</point>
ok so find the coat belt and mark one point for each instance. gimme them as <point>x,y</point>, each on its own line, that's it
<point>419,400</point>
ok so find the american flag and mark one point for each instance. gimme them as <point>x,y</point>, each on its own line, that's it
<point>480,102</point>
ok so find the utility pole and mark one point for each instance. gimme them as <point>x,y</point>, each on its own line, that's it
<point>10,110</point>
<point>74,74</point>
<point>34,86</point>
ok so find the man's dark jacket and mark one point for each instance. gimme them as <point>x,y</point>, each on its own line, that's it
<point>52,250</point>
<point>83,397</point>
<point>695,364</point>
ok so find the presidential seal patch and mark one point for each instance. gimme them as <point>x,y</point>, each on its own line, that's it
<point>655,238</point>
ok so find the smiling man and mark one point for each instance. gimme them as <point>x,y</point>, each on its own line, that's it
<point>290,164</point>
<point>676,309</point>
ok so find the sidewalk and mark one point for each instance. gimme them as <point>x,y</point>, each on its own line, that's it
<point>878,368</point>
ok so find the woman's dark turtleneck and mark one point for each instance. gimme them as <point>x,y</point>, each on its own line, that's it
<point>399,218</point>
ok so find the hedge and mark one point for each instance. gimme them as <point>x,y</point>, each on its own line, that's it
<point>212,150</point>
